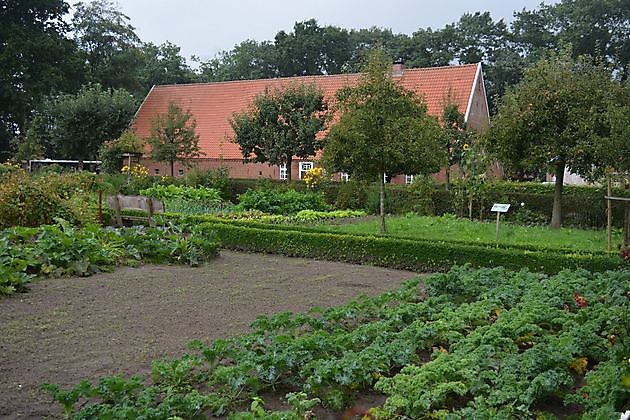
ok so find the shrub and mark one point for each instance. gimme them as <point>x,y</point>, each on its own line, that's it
<point>24,202</point>
<point>281,202</point>
<point>217,179</point>
<point>352,195</point>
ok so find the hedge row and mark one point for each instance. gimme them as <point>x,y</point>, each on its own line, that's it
<point>399,253</point>
<point>257,224</point>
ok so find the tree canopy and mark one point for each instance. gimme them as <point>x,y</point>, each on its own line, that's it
<point>556,118</point>
<point>382,128</point>
<point>281,123</point>
<point>41,54</point>
<point>73,126</point>
<point>173,138</point>
<point>36,59</point>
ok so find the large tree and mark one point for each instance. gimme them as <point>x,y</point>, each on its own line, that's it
<point>35,60</point>
<point>281,123</point>
<point>600,29</point>
<point>73,126</point>
<point>382,128</point>
<point>109,45</point>
<point>555,118</point>
<point>173,138</point>
<point>164,64</point>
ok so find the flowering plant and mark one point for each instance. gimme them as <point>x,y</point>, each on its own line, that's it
<point>137,171</point>
<point>314,177</point>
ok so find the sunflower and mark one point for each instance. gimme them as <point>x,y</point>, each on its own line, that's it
<point>466,147</point>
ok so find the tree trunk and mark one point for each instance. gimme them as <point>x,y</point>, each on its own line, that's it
<point>626,226</point>
<point>382,203</point>
<point>288,163</point>
<point>556,214</point>
<point>448,177</point>
<point>172,168</point>
<point>609,212</point>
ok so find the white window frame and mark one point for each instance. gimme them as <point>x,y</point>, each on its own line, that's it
<point>344,176</point>
<point>156,171</point>
<point>408,179</point>
<point>180,172</point>
<point>283,172</point>
<point>304,167</point>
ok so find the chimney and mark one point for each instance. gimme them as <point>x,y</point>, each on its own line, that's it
<point>398,67</point>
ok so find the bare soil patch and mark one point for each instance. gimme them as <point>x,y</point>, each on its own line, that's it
<point>69,329</point>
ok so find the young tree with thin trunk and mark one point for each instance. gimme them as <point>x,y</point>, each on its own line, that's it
<point>382,128</point>
<point>173,137</point>
<point>555,119</point>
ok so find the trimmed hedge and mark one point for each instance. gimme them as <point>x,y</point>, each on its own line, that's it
<point>399,253</point>
<point>260,224</point>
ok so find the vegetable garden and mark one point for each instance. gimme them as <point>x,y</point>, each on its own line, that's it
<point>544,332</point>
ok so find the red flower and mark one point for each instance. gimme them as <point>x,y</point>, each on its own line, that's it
<point>580,302</point>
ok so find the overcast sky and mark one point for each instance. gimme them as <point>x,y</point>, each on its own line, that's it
<point>206,27</point>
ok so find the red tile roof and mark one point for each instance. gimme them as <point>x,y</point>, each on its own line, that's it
<point>212,104</point>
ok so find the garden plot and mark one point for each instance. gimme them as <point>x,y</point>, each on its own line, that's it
<point>69,329</point>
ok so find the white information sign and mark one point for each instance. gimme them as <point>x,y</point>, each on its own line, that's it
<point>501,208</point>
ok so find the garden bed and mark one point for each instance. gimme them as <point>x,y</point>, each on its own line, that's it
<point>70,329</point>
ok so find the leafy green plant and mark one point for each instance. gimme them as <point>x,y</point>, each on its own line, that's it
<point>281,202</point>
<point>58,250</point>
<point>470,343</point>
<point>198,194</point>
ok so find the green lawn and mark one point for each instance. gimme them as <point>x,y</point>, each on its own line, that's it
<point>449,228</point>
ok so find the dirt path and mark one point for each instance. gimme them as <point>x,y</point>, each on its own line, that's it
<point>70,329</point>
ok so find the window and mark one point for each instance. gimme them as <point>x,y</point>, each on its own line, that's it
<point>180,172</point>
<point>156,171</point>
<point>283,171</point>
<point>345,176</point>
<point>408,179</point>
<point>305,166</point>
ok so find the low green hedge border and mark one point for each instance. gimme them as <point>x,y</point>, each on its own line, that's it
<point>399,253</point>
<point>194,219</point>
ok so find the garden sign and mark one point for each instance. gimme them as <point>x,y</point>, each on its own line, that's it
<point>499,208</point>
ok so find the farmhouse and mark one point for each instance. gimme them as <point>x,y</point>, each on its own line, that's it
<point>212,105</point>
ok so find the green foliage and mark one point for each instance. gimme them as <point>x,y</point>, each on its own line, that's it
<point>108,44</point>
<point>27,200</point>
<point>557,118</point>
<point>63,250</point>
<point>110,153</point>
<point>281,202</point>
<point>36,59</point>
<point>454,229</point>
<point>408,253</point>
<point>74,126</point>
<point>163,65</point>
<point>382,128</point>
<point>173,137</point>
<point>199,194</point>
<point>218,179</point>
<point>281,123</point>
<point>486,343</point>
<point>352,195</point>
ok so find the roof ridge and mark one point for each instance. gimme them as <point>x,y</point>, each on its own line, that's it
<point>314,76</point>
